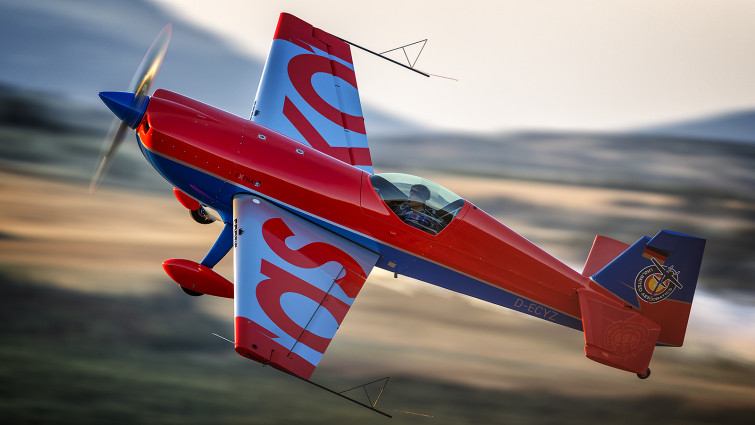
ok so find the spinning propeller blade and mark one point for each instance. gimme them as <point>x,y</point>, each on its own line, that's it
<point>129,107</point>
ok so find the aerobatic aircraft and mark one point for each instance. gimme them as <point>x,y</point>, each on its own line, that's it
<point>308,219</point>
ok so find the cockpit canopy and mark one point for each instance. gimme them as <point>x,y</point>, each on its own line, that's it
<point>418,202</point>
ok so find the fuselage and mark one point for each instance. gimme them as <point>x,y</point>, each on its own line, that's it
<point>213,155</point>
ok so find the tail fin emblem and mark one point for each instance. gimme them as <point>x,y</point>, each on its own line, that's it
<point>655,283</point>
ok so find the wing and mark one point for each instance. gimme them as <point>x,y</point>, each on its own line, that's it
<point>308,92</point>
<point>294,284</point>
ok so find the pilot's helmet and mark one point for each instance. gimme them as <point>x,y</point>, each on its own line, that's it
<point>420,191</point>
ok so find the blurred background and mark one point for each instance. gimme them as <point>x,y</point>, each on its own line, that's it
<point>568,119</point>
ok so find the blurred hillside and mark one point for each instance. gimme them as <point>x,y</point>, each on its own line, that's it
<point>702,187</point>
<point>95,332</point>
<point>145,360</point>
<point>736,126</point>
<point>59,138</point>
<point>653,163</point>
<point>77,48</point>
<point>75,357</point>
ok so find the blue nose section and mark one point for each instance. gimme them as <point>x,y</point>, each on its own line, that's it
<point>126,106</point>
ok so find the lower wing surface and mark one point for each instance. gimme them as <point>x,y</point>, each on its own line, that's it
<point>294,284</point>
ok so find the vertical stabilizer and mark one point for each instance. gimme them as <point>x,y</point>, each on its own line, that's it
<point>658,278</point>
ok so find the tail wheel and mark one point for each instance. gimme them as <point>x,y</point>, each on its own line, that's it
<point>646,375</point>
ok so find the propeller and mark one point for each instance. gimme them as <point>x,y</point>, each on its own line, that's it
<point>129,107</point>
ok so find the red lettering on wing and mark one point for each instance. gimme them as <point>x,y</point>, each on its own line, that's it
<point>354,156</point>
<point>279,282</point>
<point>302,68</point>
<point>275,231</point>
<point>310,133</point>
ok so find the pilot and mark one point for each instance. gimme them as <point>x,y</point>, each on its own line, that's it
<point>415,213</point>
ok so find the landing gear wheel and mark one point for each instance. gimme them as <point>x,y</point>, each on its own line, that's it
<point>645,375</point>
<point>188,291</point>
<point>200,216</point>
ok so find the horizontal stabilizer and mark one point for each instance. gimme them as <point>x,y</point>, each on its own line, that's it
<point>615,335</point>
<point>603,251</point>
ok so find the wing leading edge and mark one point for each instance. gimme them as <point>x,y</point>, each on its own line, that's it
<point>308,92</point>
<point>294,284</point>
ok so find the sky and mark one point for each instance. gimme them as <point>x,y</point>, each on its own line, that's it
<point>545,64</point>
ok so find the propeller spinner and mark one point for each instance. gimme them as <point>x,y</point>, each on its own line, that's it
<point>129,107</point>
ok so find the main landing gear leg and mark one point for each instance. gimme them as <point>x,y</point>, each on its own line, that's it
<point>222,246</point>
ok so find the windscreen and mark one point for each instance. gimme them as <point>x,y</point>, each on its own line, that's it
<point>418,202</point>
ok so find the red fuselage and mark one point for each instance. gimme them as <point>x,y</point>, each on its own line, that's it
<point>213,155</point>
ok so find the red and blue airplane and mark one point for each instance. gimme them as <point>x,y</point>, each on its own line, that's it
<point>308,219</point>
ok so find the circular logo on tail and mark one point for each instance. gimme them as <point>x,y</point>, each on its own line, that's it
<point>655,283</point>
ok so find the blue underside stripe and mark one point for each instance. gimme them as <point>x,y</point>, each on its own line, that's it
<point>218,194</point>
